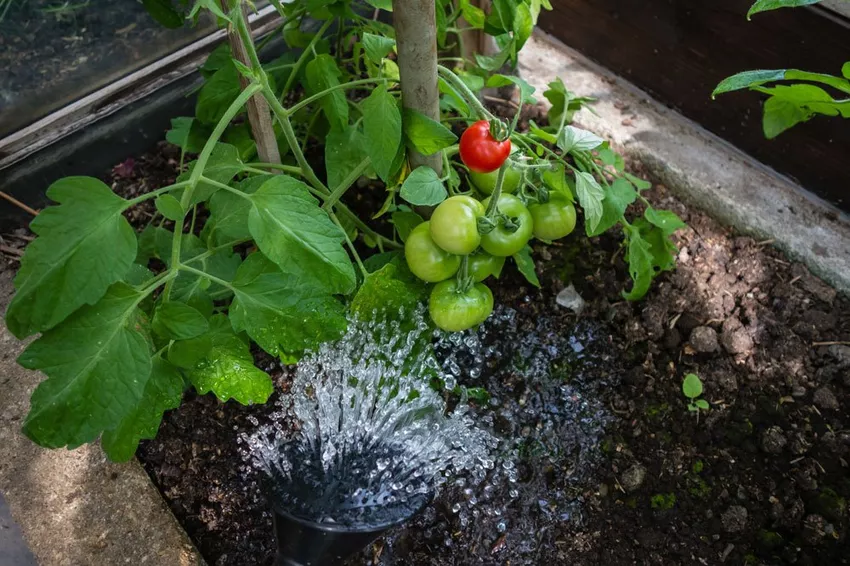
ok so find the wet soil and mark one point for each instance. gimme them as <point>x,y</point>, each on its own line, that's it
<point>760,478</point>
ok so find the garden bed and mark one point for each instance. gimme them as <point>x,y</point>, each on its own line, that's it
<point>634,477</point>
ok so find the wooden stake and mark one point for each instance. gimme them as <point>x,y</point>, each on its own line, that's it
<point>18,203</point>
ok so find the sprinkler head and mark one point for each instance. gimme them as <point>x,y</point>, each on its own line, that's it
<point>301,542</point>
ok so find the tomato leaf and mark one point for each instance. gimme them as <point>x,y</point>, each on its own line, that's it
<point>164,13</point>
<point>322,73</point>
<point>293,231</point>
<point>473,15</point>
<point>666,220</point>
<point>97,364</point>
<point>618,197</point>
<point>223,164</point>
<point>281,313</point>
<point>523,24</point>
<point>382,129</point>
<point>424,134</point>
<point>84,245</point>
<point>576,139</point>
<point>525,264</point>
<point>525,90</point>
<point>377,47</point>
<point>639,257</point>
<point>765,5</point>
<point>228,220</point>
<point>169,207</point>
<point>343,153</point>
<point>590,196</point>
<point>423,187</point>
<point>163,391</point>
<point>405,222</point>
<point>390,289</point>
<point>178,321</point>
<point>229,370</point>
<point>217,94</point>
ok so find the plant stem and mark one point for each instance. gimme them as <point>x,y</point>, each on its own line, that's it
<point>200,165</point>
<point>497,191</point>
<point>346,183</point>
<point>285,168</point>
<point>215,250</point>
<point>213,278</point>
<point>350,246</point>
<point>156,193</point>
<point>464,91</point>
<point>303,57</point>
<point>310,99</point>
<point>224,187</point>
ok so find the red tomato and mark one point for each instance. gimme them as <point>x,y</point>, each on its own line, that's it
<point>480,151</point>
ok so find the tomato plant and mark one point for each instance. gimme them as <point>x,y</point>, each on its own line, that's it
<point>253,244</point>
<point>553,219</point>
<point>807,95</point>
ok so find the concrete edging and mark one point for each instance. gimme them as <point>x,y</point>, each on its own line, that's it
<point>696,165</point>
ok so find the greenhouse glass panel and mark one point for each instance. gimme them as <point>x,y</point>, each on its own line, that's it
<point>53,52</point>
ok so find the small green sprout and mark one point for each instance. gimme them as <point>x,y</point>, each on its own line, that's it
<point>692,388</point>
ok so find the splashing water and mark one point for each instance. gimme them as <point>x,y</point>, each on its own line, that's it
<point>375,441</point>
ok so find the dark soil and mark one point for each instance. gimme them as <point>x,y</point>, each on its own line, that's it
<point>760,478</point>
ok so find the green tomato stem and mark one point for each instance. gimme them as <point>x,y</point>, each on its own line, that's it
<point>465,92</point>
<point>311,99</point>
<point>346,183</point>
<point>497,192</point>
<point>156,193</point>
<point>303,57</point>
<point>200,165</point>
<point>280,167</point>
<point>350,246</point>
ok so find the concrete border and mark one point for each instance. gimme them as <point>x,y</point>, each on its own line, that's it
<point>74,507</point>
<point>696,165</point>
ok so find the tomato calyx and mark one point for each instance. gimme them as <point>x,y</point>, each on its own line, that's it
<point>485,225</point>
<point>499,130</point>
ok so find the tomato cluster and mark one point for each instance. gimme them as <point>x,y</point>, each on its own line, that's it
<point>462,244</point>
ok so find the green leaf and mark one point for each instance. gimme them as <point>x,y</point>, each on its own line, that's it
<point>780,115</point>
<point>692,386</point>
<point>154,241</point>
<point>187,353</point>
<point>375,262</point>
<point>845,70</point>
<point>765,5</point>
<point>217,94</point>
<point>377,47</point>
<point>473,15</point>
<point>279,311</point>
<point>228,220</point>
<point>556,180</point>
<point>212,6</point>
<point>240,137</point>
<point>667,221</point>
<point>229,370</point>
<point>497,61</point>
<point>405,222</point>
<point>442,23</point>
<point>178,321</point>
<point>382,129</point>
<point>525,264</point>
<point>639,257</point>
<point>188,134</point>
<point>137,275</point>
<point>97,364</point>
<point>196,290</point>
<point>661,247</point>
<point>590,196</point>
<point>343,153</point>
<point>224,163</point>
<point>389,289</point>
<point>293,231</point>
<point>525,90</point>
<point>576,139</point>
<point>523,24</point>
<point>702,404</point>
<point>425,135</point>
<point>84,245</point>
<point>381,4</point>
<point>423,187</point>
<point>322,73</point>
<point>163,391</point>
<point>501,17</point>
<point>169,207</point>
<point>752,79</point>
<point>618,197</point>
<point>164,13</point>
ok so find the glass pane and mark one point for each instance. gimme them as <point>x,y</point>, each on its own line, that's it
<point>53,52</point>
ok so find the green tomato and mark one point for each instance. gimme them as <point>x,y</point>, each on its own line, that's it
<point>503,240</point>
<point>483,265</point>
<point>486,182</point>
<point>554,219</point>
<point>453,310</point>
<point>427,260</point>
<point>454,225</point>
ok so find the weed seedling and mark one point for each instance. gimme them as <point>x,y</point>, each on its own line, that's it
<point>692,388</point>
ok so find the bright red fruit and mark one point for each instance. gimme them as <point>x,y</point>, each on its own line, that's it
<point>480,151</point>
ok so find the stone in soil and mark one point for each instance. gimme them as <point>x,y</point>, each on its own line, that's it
<point>825,399</point>
<point>734,520</point>
<point>633,477</point>
<point>704,339</point>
